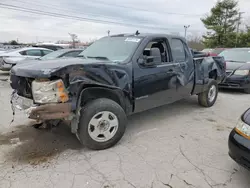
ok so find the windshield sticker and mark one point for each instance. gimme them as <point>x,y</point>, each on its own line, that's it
<point>132,40</point>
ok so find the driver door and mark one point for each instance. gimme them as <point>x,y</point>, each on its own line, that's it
<point>155,85</point>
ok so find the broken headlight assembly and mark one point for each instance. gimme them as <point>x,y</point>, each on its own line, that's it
<point>243,129</point>
<point>45,91</point>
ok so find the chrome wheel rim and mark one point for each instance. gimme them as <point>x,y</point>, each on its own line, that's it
<point>103,126</point>
<point>212,93</point>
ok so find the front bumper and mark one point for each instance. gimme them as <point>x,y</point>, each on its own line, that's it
<point>42,112</point>
<point>236,82</point>
<point>239,149</point>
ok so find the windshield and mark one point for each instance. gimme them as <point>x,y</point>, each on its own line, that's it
<point>237,55</point>
<point>53,55</point>
<point>115,49</point>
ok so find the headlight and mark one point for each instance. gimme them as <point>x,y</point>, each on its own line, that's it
<point>241,72</point>
<point>49,91</point>
<point>243,129</point>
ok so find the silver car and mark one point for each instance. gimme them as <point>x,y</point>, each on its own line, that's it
<point>10,58</point>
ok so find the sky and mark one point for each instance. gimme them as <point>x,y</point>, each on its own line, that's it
<point>91,19</point>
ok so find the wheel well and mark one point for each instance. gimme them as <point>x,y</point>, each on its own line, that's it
<point>89,94</point>
<point>213,74</point>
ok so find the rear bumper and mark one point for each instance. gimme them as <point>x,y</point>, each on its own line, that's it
<point>239,149</point>
<point>236,82</point>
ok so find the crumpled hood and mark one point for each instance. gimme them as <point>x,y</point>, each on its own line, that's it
<point>237,65</point>
<point>46,68</point>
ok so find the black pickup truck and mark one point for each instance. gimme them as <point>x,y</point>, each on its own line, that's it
<point>115,77</point>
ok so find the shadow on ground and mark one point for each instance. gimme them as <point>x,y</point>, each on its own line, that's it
<point>28,145</point>
<point>186,106</point>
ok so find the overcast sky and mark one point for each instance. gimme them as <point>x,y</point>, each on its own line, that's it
<point>164,16</point>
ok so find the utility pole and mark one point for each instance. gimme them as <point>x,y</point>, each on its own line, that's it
<point>73,37</point>
<point>186,27</point>
<point>238,28</point>
<point>108,32</point>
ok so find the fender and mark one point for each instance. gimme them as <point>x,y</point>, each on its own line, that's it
<point>91,92</point>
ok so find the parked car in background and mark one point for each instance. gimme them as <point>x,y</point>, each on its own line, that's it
<point>2,50</point>
<point>12,57</point>
<point>49,46</point>
<point>239,141</point>
<point>216,51</point>
<point>207,50</point>
<point>197,53</point>
<point>237,69</point>
<point>63,53</point>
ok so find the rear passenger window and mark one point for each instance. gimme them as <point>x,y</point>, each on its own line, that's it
<point>178,50</point>
<point>45,52</point>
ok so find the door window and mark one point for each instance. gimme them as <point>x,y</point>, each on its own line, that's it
<point>33,52</point>
<point>178,50</point>
<point>158,50</point>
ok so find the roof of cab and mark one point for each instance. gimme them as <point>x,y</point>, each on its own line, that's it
<point>145,35</point>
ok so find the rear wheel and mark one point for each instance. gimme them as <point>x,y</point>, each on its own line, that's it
<point>208,98</point>
<point>102,124</point>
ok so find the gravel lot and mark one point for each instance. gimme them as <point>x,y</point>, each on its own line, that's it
<point>176,146</point>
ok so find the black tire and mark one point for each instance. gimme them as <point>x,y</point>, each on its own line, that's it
<point>90,110</point>
<point>203,98</point>
<point>247,90</point>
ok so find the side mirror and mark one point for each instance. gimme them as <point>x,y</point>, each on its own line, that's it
<point>147,61</point>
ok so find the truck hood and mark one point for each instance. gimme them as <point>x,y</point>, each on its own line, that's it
<point>46,68</point>
<point>237,65</point>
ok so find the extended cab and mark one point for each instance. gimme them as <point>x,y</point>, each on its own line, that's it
<point>114,77</point>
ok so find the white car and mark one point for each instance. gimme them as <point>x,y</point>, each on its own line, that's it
<point>10,58</point>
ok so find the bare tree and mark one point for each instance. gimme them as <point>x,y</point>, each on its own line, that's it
<point>73,38</point>
<point>195,42</point>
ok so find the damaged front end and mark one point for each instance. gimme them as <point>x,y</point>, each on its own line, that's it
<point>40,99</point>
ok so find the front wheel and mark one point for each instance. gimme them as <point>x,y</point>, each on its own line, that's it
<point>208,97</point>
<point>102,124</point>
